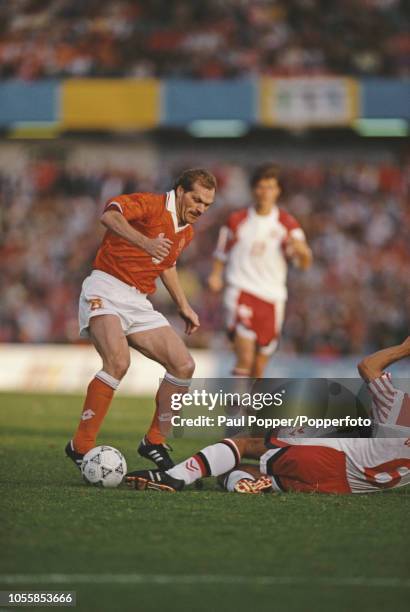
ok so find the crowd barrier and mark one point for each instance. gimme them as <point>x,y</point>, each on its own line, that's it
<point>49,368</point>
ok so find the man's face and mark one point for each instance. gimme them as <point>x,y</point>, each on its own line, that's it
<point>266,191</point>
<point>192,204</point>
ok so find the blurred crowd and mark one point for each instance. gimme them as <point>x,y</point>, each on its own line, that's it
<point>355,297</point>
<point>206,39</point>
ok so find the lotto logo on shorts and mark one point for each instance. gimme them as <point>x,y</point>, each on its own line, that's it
<point>95,303</point>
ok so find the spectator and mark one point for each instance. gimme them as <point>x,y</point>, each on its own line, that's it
<point>208,39</point>
<point>354,299</point>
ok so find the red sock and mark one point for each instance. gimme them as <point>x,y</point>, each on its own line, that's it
<point>97,402</point>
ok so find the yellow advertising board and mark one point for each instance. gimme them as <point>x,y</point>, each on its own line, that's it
<point>110,104</point>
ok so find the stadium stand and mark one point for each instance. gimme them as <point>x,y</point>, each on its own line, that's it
<point>208,39</point>
<point>354,211</point>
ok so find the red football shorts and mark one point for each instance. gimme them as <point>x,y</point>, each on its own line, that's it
<point>308,469</point>
<point>251,317</point>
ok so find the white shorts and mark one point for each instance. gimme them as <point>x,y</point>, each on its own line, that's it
<point>103,294</point>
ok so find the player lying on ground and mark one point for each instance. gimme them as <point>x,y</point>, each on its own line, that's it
<point>253,250</point>
<point>145,235</point>
<point>322,465</point>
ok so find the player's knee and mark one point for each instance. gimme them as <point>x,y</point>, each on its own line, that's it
<point>117,366</point>
<point>241,445</point>
<point>185,369</point>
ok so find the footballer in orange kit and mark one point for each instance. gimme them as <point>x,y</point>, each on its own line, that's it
<point>145,235</point>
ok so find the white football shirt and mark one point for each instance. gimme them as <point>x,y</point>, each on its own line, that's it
<point>383,461</point>
<point>253,247</point>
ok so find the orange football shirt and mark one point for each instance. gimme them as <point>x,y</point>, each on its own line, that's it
<point>152,215</point>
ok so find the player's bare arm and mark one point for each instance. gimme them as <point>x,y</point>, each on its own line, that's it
<point>215,279</point>
<point>372,367</point>
<point>157,247</point>
<point>171,281</point>
<point>299,253</point>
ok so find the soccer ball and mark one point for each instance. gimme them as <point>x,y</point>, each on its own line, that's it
<point>104,466</point>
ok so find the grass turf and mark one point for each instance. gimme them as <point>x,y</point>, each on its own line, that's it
<point>53,523</point>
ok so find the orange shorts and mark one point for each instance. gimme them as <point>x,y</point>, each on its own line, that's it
<point>305,468</point>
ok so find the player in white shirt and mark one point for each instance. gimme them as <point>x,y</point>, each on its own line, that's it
<point>312,465</point>
<point>252,253</point>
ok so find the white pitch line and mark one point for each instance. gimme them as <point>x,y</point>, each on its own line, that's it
<point>167,579</point>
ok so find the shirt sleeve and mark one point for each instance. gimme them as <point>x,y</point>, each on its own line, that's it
<point>228,235</point>
<point>292,225</point>
<point>135,207</point>
<point>390,406</point>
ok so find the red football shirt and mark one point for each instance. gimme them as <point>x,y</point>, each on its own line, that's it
<point>153,215</point>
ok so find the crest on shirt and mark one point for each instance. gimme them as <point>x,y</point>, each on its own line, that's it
<point>181,245</point>
<point>95,303</point>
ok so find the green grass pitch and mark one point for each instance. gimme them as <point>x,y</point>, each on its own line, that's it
<point>197,550</point>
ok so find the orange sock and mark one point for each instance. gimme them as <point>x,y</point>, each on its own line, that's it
<point>159,428</point>
<point>98,399</point>
<point>154,434</point>
<point>161,422</point>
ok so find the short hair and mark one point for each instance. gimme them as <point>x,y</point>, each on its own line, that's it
<point>195,175</point>
<point>267,171</point>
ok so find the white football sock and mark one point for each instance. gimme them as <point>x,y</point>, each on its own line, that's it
<point>188,471</point>
<point>108,379</point>
<point>213,460</point>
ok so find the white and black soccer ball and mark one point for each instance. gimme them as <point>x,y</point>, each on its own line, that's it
<point>104,466</point>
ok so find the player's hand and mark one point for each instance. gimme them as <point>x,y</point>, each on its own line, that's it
<point>191,319</point>
<point>215,282</point>
<point>158,247</point>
